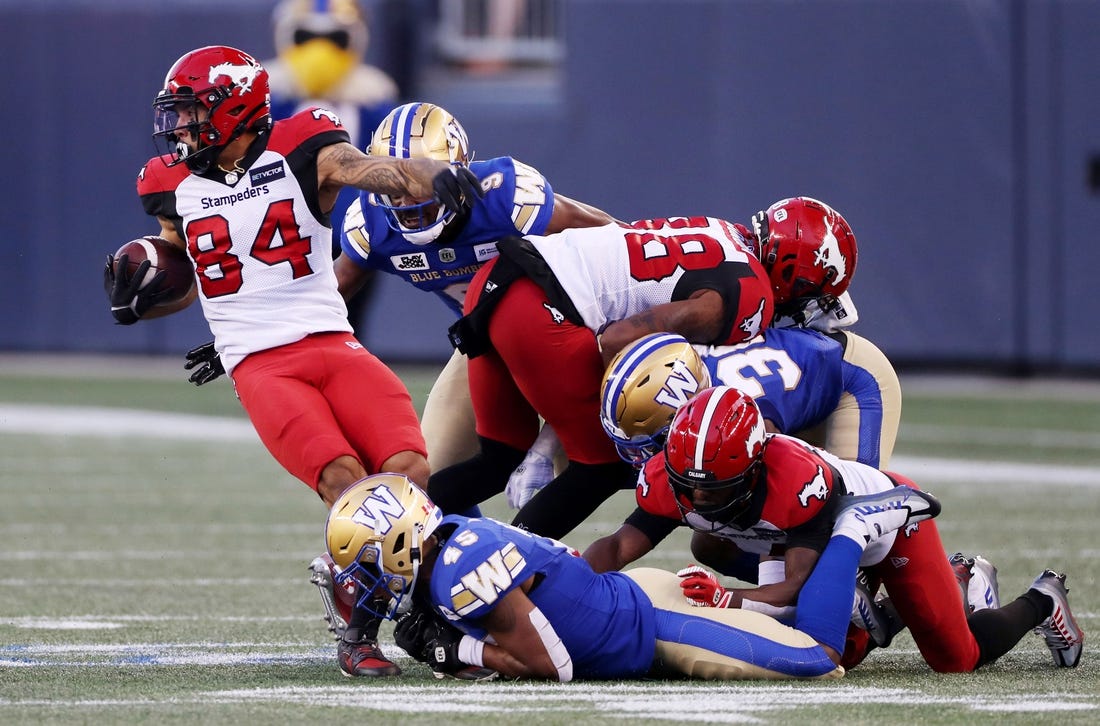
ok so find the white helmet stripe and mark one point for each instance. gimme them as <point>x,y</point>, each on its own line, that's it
<point>402,130</point>
<point>705,425</point>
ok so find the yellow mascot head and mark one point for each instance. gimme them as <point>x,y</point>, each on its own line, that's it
<point>321,42</point>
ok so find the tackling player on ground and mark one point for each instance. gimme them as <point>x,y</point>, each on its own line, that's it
<point>722,474</point>
<point>482,593</point>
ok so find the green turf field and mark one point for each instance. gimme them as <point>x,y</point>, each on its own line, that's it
<point>160,577</point>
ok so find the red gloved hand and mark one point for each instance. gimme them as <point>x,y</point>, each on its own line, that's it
<point>702,589</point>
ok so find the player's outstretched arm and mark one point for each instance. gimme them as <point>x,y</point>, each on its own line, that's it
<point>340,165</point>
<point>569,213</point>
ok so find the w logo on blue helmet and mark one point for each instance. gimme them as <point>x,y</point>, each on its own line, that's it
<point>642,388</point>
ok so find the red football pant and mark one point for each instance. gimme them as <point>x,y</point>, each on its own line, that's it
<point>541,364</point>
<point>324,397</point>
<point>922,586</point>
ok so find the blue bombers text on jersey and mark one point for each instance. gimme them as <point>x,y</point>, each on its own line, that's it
<point>518,201</point>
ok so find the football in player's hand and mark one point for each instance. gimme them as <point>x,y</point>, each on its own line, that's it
<point>162,255</point>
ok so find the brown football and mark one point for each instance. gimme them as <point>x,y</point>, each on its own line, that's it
<point>162,255</point>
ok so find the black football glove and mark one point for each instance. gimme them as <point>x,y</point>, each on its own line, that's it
<point>413,631</point>
<point>442,650</point>
<point>430,639</point>
<point>457,188</point>
<point>207,361</point>
<point>129,300</point>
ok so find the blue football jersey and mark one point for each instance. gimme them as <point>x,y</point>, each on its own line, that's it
<point>606,622</point>
<point>518,201</point>
<point>358,119</point>
<point>795,374</point>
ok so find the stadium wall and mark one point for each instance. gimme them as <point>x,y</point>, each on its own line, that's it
<point>958,138</point>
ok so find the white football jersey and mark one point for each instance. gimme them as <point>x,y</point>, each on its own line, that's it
<point>262,255</point>
<point>861,479</point>
<point>613,272</point>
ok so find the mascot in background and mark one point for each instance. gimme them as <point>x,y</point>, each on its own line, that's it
<point>320,47</point>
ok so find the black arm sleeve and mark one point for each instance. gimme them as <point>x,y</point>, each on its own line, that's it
<point>574,495</point>
<point>463,485</point>
<point>653,527</point>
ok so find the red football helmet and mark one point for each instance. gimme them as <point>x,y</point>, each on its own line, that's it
<point>808,249</point>
<point>214,94</point>
<point>714,454</point>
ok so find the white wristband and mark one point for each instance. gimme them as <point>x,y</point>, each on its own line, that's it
<point>471,651</point>
<point>770,572</point>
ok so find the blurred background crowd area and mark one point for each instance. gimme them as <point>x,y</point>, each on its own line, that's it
<point>958,137</point>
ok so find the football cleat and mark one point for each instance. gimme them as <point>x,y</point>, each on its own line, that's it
<point>878,514</point>
<point>1060,631</point>
<point>533,473</point>
<point>320,574</point>
<point>983,591</point>
<point>977,578</point>
<point>877,616</point>
<point>363,658</point>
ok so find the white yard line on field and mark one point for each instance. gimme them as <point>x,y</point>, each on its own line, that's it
<point>114,422</point>
<point>723,703</point>
<point>103,422</point>
<point>698,703</point>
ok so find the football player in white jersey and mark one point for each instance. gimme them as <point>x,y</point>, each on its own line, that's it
<point>438,251</point>
<point>543,319</point>
<point>249,199</point>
